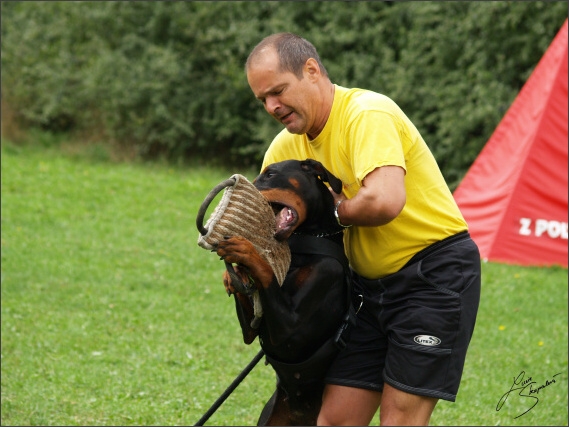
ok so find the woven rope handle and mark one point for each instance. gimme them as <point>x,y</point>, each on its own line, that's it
<point>242,288</point>
<point>236,282</point>
<point>205,204</point>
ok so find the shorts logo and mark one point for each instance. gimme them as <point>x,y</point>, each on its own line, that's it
<point>427,340</point>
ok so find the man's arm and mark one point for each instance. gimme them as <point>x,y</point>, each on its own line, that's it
<point>380,199</point>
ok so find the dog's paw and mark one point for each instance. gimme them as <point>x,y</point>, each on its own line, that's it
<point>238,250</point>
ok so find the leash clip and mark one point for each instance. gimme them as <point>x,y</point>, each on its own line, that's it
<point>361,303</point>
<point>341,340</point>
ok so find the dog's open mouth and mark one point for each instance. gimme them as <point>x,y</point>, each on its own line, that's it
<point>286,218</point>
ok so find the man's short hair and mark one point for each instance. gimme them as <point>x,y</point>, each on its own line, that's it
<point>292,50</point>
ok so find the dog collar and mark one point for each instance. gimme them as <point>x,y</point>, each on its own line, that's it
<point>319,234</point>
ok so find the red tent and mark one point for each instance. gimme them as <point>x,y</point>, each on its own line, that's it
<point>514,196</point>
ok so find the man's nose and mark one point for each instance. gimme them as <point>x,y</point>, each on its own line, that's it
<point>272,104</point>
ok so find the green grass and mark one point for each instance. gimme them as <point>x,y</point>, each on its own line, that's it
<point>112,315</point>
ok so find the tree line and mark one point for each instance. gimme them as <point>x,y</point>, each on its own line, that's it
<point>167,78</point>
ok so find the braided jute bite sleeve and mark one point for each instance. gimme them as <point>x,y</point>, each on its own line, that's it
<point>243,211</point>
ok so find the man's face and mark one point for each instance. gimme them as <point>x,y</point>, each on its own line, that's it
<point>285,97</point>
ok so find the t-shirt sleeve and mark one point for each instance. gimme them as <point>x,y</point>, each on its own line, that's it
<point>374,140</point>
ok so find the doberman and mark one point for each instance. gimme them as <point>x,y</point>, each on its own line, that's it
<point>305,321</point>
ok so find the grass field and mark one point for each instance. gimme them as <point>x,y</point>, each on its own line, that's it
<point>112,315</point>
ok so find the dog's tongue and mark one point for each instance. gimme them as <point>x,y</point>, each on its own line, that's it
<point>284,218</point>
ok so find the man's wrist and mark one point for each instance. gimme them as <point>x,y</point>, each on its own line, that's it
<point>337,215</point>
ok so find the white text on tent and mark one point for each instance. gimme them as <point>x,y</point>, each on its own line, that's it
<point>554,229</point>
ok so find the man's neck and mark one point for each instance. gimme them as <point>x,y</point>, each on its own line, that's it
<point>326,108</point>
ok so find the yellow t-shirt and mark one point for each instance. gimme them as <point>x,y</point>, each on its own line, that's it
<point>367,130</point>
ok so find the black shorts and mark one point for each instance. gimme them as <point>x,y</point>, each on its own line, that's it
<point>414,326</point>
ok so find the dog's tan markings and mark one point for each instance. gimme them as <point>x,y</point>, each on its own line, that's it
<point>294,182</point>
<point>302,276</point>
<point>238,250</point>
<point>289,198</point>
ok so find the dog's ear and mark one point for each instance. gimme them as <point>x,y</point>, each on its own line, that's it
<point>318,170</point>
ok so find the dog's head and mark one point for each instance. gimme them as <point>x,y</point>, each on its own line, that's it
<point>301,201</point>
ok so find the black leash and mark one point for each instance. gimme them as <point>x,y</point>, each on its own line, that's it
<point>230,389</point>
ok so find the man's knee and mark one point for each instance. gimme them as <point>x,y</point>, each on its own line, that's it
<point>401,408</point>
<point>348,406</point>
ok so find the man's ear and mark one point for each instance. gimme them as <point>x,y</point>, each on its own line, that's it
<point>317,169</point>
<point>312,69</point>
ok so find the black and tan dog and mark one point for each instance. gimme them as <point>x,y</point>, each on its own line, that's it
<point>305,320</point>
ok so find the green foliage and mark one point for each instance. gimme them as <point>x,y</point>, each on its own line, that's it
<point>459,74</point>
<point>168,78</point>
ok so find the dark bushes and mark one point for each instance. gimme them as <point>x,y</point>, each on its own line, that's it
<point>167,77</point>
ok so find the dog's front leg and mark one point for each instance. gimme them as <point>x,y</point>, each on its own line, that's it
<point>245,314</point>
<point>243,306</point>
<point>251,267</point>
<point>241,251</point>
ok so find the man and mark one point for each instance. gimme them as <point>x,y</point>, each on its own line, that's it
<point>415,267</point>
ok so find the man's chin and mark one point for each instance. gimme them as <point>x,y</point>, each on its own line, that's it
<point>295,129</point>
